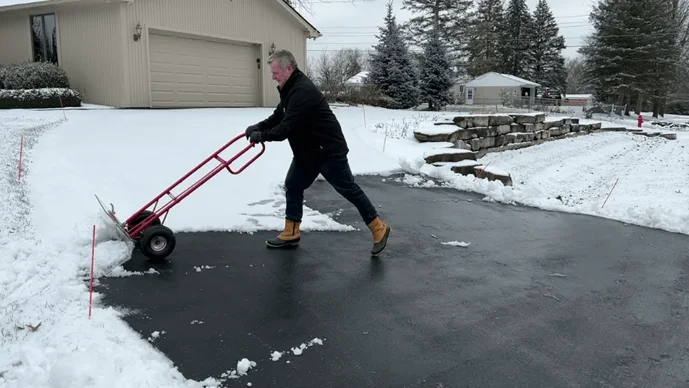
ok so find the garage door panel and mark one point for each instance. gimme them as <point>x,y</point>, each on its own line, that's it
<point>188,72</point>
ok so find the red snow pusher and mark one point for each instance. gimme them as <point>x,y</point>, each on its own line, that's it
<point>145,230</point>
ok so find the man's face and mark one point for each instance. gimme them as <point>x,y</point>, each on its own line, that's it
<point>280,75</point>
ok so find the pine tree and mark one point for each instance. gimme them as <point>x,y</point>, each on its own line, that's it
<point>632,55</point>
<point>436,77</point>
<point>484,42</point>
<point>516,38</point>
<point>391,67</point>
<point>545,62</point>
<point>451,15</point>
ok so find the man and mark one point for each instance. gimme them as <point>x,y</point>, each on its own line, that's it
<point>303,117</point>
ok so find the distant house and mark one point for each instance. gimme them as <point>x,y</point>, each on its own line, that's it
<point>457,89</point>
<point>578,100</point>
<point>357,80</point>
<point>495,88</point>
<point>158,53</point>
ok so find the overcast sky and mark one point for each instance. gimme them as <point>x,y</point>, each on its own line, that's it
<point>344,23</point>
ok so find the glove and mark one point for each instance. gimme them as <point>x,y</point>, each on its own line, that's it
<point>251,129</point>
<point>256,137</point>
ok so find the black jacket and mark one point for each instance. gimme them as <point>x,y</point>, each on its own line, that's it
<point>304,118</point>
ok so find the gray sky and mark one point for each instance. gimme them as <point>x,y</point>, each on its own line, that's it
<point>347,24</point>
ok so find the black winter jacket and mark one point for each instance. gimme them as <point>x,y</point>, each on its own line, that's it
<point>304,118</point>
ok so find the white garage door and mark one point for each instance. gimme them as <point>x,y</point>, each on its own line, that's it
<point>189,73</point>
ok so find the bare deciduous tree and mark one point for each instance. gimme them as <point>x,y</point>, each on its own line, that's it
<point>331,70</point>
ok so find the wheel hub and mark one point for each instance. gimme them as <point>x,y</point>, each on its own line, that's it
<point>158,243</point>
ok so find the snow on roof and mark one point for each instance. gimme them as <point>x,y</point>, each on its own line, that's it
<point>493,79</point>
<point>575,96</point>
<point>10,3</point>
<point>357,79</point>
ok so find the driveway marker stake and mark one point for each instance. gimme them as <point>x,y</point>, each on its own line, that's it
<point>93,258</point>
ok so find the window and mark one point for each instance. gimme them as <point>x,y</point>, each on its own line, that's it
<point>44,38</point>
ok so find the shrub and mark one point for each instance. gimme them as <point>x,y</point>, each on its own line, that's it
<point>38,98</point>
<point>366,95</point>
<point>35,85</point>
<point>35,75</point>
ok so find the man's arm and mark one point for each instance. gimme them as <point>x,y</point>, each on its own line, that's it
<point>299,102</point>
<point>272,120</point>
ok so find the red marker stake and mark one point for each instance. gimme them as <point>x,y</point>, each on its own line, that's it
<point>93,259</point>
<point>21,152</point>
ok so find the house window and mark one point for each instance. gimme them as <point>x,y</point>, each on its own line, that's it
<point>44,38</point>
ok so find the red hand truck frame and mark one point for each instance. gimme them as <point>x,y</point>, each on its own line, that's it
<point>145,227</point>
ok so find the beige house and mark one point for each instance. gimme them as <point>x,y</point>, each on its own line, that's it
<point>158,53</point>
<point>496,89</point>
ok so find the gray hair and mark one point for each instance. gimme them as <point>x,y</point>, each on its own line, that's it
<point>284,58</point>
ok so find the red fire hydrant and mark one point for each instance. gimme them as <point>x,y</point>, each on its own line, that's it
<point>640,120</point>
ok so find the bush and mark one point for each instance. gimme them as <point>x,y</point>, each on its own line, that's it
<point>34,75</point>
<point>36,85</point>
<point>38,98</point>
<point>366,95</point>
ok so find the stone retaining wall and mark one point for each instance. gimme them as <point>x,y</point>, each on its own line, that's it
<point>475,135</point>
<point>499,132</point>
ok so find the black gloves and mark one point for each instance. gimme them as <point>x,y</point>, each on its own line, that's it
<point>256,137</point>
<point>250,129</point>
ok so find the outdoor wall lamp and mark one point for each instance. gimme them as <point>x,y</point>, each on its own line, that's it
<point>272,49</point>
<point>137,32</point>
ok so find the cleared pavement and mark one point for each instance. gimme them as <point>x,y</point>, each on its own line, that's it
<point>539,299</point>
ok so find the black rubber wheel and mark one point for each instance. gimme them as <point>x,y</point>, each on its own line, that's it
<point>157,242</point>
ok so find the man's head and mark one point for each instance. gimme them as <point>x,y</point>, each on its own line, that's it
<point>282,65</point>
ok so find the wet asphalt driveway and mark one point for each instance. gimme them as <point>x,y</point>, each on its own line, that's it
<point>538,299</point>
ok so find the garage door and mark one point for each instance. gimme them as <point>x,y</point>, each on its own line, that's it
<point>189,73</point>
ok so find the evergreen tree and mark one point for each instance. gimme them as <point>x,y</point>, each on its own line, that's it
<point>545,63</point>
<point>633,54</point>
<point>452,16</point>
<point>484,42</point>
<point>516,38</point>
<point>391,67</point>
<point>436,77</point>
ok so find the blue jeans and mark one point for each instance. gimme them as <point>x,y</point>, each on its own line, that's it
<point>336,171</point>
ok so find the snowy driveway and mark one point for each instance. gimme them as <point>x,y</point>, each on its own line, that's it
<point>538,299</point>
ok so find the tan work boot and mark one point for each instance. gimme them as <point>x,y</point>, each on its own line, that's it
<point>289,237</point>
<point>380,232</point>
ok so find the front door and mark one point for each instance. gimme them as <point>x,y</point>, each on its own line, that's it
<point>470,96</point>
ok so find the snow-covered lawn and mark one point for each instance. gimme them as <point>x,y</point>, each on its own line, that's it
<point>128,156</point>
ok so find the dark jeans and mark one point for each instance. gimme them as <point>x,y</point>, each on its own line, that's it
<point>336,171</point>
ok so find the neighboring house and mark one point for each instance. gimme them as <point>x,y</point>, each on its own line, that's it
<point>457,89</point>
<point>494,88</point>
<point>158,53</point>
<point>578,100</point>
<point>357,80</point>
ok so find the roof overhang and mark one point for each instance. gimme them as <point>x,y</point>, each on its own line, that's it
<point>313,32</point>
<point>29,4</point>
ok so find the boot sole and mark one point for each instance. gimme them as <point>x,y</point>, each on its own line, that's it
<point>388,231</point>
<point>285,244</point>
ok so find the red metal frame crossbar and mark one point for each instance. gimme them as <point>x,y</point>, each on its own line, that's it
<point>177,199</point>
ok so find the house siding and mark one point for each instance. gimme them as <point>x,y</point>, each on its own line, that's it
<point>15,44</point>
<point>491,95</point>
<point>89,47</point>
<point>259,21</point>
<point>91,52</point>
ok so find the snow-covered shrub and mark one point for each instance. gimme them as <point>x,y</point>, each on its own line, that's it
<point>366,95</point>
<point>3,72</point>
<point>35,75</point>
<point>38,98</point>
